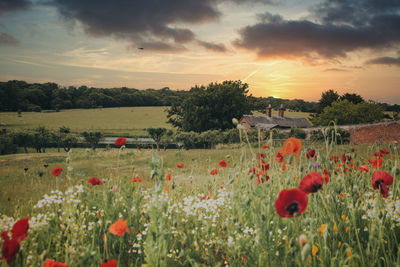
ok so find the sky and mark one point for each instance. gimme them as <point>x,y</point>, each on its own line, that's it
<point>294,49</point>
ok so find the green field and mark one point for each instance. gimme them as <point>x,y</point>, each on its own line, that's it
<point>199,219</point>
<point>127,121</point>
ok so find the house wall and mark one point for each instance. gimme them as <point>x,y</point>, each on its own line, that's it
<point>243,120</point>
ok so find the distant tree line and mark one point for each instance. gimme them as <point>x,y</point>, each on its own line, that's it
<point>23,96</point>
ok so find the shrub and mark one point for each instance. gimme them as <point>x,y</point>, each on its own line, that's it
<point>297,132</point>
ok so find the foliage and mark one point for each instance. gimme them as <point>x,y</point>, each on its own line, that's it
<point>20,95</point>
<point>7,146</point>
<point>297,132</point>
<point>92,138</point>
<point>157,134</point>
<point>326,100</point>
<point>211,107</point>
<point>331,135</point>
<point>41,139</point>
<point>353,98</point>
<point>345,112</point>
<point>23,139</point>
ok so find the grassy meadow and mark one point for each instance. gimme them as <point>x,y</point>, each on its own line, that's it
<point>200,219</point>
<point>125,121</point>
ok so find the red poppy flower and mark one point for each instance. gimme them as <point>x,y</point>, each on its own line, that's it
<point>380,180</point>
<point>119,228</point>
<point>376,163</point>
<point>384,151</point>
<point>10,248</point>
<point>261,156</point>
<point>344,158</point>
<point>310,154</point>
<point>180,165</point>
<point>95,181</point>
<point>378,154</point>
<point>291,202</point>
<point>291,146</point>
<point>56,171</point>
<point>311,183</point>
<point>363,168</point>
<point>120,141</point>
<point>135,179</point>
<point>279,157</point>
<point>334,158</point>
<point>214,172</point>
<point>168,177</point>
<point>53,263</point>
<point>110,263</point>
<point>265,146</point>
<point>222,163</point>
<point>325,176</point>
<point>20,230</point>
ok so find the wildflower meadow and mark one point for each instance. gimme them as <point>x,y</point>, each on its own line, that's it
<point>292,203</point>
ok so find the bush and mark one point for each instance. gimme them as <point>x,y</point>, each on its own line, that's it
<point>297,132</point>
<point>338,136</point>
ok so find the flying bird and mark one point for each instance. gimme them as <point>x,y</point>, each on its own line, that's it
<point>141,48</point>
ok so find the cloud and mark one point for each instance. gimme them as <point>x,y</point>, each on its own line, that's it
<point>212,46</point>
<point>340,27</point>
<point>8,40</point>
<point>385,61</point>
<point>335,70</point>
<point>13,5</point>
<point>163,24</point>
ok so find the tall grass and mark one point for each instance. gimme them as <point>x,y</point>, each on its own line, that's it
<point>199,219</point>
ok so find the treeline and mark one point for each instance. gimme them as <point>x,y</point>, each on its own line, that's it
<point>23,96</point>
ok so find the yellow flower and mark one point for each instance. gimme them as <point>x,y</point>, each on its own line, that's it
<point>339,244</point>
<point>348,253</point>
<point>314,250</point>
<point>335,228</point>
<point>347,229</point>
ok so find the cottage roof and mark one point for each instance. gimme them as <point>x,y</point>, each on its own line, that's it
<point>300,122</point>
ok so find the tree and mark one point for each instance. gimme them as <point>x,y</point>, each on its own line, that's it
<point>41,138</point>
<point>68,141</point>
<point>353,98</point>
<point>92,138</point>
<point>23,139</point>
<point>345,112</point>
<point>156,134</point>
<point>327,98</point>
<point>211,107</point>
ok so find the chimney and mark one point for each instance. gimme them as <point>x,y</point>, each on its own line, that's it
<point>269,110</point>
<point>281,111</point>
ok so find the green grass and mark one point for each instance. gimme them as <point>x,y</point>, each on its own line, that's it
<point>201,220</point>
<point>128,121</point>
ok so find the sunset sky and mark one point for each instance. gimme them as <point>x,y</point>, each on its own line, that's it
<point>287,49</point>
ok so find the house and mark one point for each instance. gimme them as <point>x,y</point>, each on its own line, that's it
<point>268,122</point>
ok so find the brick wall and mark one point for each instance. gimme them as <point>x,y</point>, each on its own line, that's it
<point>385,132</point>
<point>388,132</point>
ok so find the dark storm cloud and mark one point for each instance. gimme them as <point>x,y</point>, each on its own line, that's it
<point>341,27</point>
<point>212,46</point>
<point>8,40</point>
<point>143,22</point>
<point>13,5</point>
<point>384,61</point>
